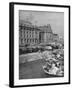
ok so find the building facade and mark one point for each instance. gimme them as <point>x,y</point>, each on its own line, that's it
<point>31,34</point>
<point>55,37</point>
<point>46,33</point>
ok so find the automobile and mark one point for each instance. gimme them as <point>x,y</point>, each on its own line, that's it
<point>48,48</point>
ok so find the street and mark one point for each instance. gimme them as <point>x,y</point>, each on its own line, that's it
<point>33,69</point>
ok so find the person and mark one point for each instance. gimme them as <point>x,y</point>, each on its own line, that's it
<point>58,55</point>
<point>60,72</point>
<point>48,65</point>
<point>40,54</point>
<point>53,69</point>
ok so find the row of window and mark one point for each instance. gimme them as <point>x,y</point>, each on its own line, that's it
<point>29,40</point>
<point>29,31</point>
<point>29,35</point>
<point>29,28</point>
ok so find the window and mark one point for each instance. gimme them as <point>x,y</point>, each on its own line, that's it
<point>36,32</point>
<point>27,40</point>
<point>30,35</point>
<point>27,32</point>
<point>30,40</point>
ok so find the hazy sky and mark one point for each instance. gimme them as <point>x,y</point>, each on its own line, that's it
<point>55,19</point>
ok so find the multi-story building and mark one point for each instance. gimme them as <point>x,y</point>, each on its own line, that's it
<point>46,33</point>
<point>31,34</point>
<point>55,37</point>
<point>61,39</point>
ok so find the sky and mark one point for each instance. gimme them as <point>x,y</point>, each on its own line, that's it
<point>55,19</point>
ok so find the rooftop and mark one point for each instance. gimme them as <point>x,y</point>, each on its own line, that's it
<point>44,28</point>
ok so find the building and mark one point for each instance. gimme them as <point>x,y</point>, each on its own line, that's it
<point>55,37</point>
<point>61,39</point>
<point>46,33</point>
<point>31,34</point>
<point>28,34</point>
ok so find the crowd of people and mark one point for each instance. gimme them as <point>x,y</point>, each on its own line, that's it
<point>54,62</point>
